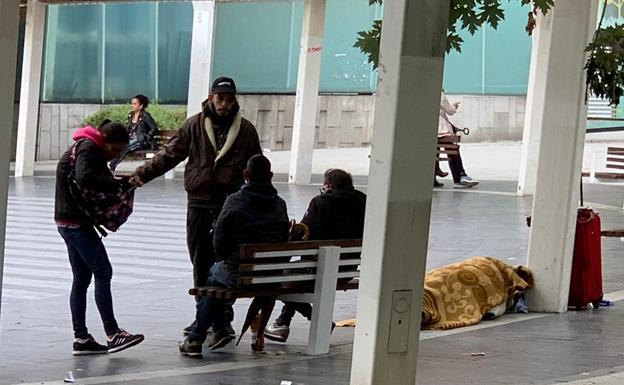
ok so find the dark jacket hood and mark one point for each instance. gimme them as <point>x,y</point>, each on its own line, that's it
<point>259,195</point>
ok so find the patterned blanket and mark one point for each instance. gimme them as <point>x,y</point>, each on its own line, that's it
<point>460,294</point>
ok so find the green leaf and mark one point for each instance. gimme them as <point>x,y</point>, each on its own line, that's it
<point>468,15</point>
<point>368,42</point>
<point>605,65</point>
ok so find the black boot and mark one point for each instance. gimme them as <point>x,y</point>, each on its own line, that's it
<point>439,172</point>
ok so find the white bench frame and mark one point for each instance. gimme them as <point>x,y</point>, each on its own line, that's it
<point>325,282</point>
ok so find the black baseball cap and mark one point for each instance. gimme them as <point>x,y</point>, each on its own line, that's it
<point>223,85</point>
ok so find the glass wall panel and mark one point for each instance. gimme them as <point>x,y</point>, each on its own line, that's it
<point>254,44</point>
<point>344,67</point>
<point>175,30</point>
<point>130,51</point>
<point>73,54</point>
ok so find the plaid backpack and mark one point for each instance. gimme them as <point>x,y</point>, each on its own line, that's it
<point>106,210</point>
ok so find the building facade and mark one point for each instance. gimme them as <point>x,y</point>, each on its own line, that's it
<point>101,54</point>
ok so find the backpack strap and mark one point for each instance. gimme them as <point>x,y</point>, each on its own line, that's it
<point>74,187</point>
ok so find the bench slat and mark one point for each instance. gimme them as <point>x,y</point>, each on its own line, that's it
<point>247,267</point>
<point>612,233</point>
<point>350,262</point>
<point>616,166</point>
<point>285,253</point>
<point>617,160</point>
<point>303,288</point>
<point>295,248</point>
<point>609,175</point>
<point>276,279</point>
<point>349,274</point>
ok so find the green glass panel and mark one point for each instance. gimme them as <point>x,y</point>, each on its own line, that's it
<point>344,68</point>
<point>175,30</point>
<point>508,53</point>
<point>253,43</point>
<point>73,54</point>
<point>130,51</point>
<point>463,70</point>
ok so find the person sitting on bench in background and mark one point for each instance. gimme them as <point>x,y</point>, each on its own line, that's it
<point>141,127</point>
<point>446,130</point>
<point>337,213</point>
<point>255,214</point>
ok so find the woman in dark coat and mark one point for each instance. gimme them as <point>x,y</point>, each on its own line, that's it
<point>141,128</point>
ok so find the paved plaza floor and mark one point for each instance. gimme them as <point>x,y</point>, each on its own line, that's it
<point>153,273</point>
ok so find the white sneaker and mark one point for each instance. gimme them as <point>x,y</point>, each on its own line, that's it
<point>467,181</point>
<point>277,333</point>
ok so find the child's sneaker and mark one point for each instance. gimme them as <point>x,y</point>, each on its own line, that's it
<point>83,347</point>
<point>123,340</point>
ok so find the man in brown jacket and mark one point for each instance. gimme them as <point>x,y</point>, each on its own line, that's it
<point>218,142</point>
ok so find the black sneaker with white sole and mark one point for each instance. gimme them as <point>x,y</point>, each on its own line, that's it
<point>84,347</point>
<point>219,339</point>
<point>123,340</point>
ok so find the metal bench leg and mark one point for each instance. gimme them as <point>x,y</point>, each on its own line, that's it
<point>594,166</point>
<point>324,297</point>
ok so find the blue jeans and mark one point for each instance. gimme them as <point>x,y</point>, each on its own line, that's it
<point>88,258</point>
<point>212,311</point>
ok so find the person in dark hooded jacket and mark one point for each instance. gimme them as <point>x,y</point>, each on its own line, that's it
<point>255,214</point>
<point>337,213</point>
<point>87,255</point>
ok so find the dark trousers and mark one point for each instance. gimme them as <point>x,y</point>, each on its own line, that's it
<point>88,258</point>
<point>212,311</point>
<point>456,165</point>
<point>199,226</point>
<point>288,312</point>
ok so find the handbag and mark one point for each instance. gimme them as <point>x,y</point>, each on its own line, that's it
<point>107,210</point>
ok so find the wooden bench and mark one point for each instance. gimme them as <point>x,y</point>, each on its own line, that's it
<point>615,160</point>
<point>162,139</point>
<point>266,270</point>
<point>448,147</point>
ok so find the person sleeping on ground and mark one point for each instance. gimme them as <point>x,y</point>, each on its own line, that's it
<point>464,293</point>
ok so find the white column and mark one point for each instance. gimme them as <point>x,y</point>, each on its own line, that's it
<point>534,105</point>
<point>399,192</point>
<point>31,87</point>
<point>560,154</point>
<point>201,55</point>
<point>306,101</point>
<point>9,18</point>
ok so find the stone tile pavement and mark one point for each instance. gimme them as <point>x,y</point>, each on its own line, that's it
<point>151,279</point>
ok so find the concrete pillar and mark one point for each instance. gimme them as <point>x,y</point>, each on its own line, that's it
<point>201,55</point>
<point>31,87</point>
<point>560,154</point>
<point>534,105</point>
<point>306,101</point>
<point>396,232</point>
<point>9,19</point>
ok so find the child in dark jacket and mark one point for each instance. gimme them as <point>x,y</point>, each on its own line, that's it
<point>87,255</point>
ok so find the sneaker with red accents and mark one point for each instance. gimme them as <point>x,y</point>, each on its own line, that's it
<point>123,340</point>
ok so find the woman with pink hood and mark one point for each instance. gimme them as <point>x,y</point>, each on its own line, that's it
<point>86,164</point>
